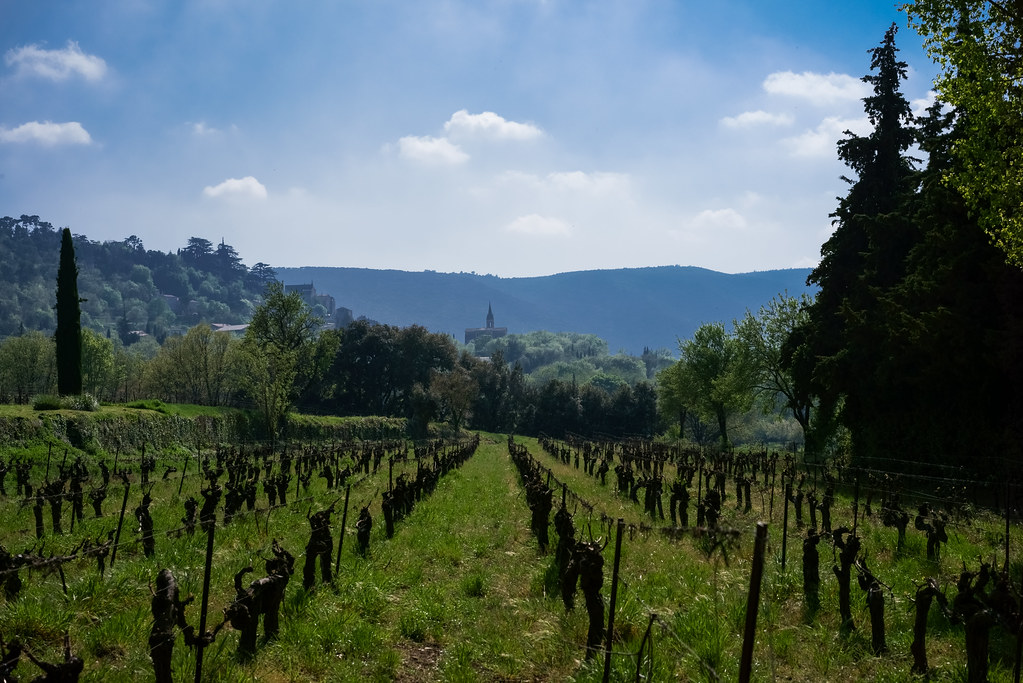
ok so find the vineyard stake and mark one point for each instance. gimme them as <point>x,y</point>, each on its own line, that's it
<point>856,506</point>
<point>785,524</point>
<point>753,603</point>
<point>120,523</point>
<point>614,598</point>
<point>184,469</point>
<point>205,602</point>
<point>1008,513</point>
<point>341,534</point>
<point>49,450</point>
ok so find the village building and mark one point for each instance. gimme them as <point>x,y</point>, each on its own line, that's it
<point>472,333</point>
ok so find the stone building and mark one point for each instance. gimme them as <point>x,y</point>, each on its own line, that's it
<point>472,333</point>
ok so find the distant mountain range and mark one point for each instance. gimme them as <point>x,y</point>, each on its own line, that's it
<point>631,308</point>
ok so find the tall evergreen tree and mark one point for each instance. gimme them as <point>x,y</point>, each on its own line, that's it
<point>838,348</point>
<point>68,336</point>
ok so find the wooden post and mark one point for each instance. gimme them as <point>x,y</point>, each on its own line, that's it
<point>785,524</point>
<point>753,604</point>
<point>614,598</point>
<point>1008,515</point>
<point>205,603</point>
<point>184,469</point>
<point>341,534</point>
<point>856,506</point>
<point>120,523</point>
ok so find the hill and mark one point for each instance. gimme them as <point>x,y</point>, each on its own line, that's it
<point>631,308</point>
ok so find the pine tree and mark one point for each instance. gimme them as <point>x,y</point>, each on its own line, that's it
<point>835,353</point>
<point>68,336</point>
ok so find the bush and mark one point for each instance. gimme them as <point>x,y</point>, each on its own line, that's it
<point>86,402</point>
<point>46,402</point>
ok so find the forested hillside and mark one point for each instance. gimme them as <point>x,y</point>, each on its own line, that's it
<point>125,288</point>
<point>630,308</point>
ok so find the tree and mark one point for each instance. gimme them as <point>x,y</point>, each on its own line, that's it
<point>765,339</point>
<point>199,367</point>
<point>455,390</point>
<point>27,366</point>
<point>97,364</point>
<point>277,342</point>
<point>834,353</point>
<point>711,376</point>
<point>977,45</point>
<point>68,336</point>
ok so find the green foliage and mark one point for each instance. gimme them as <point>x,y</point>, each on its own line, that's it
<point>68,336</point>
<point>976,43</point>
<point>278,344</point>
<point>713,378</point>
<point>124,287</point>
<point>47,402</point>
<point>913,306</point>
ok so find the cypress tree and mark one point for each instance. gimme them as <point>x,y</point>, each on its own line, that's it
<point>68,336</point>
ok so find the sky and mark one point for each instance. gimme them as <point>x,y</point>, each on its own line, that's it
<point>508,137</point>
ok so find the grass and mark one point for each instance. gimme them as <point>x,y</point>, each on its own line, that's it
<point>461,592</point>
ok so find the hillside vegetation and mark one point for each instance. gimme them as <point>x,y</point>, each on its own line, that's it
<point>125,288</point>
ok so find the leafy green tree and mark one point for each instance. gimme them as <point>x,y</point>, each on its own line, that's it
<point>711,377</point>
<point>277,342</point>
<point>27,366</point>
<point>765,339</point>
<point>68,336</point>
<point>98,376</point>
<point>456,391</point>
<point>977,45</point>
<point>199,367</point>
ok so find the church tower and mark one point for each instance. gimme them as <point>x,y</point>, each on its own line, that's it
<point>490,330</point>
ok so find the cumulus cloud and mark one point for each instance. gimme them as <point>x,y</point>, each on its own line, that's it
<point>242,188</point>
<point>431,150</point>
<point>55,65</point>
<point>718,219</point>
<point>489,125</point>
<point>596,183</point>
<point>750,119</point>
<point>47,134</point>
<point>819,89</point>
<point>202,130</point>
<point>821,141</point>
<point>920,106</point>
<point>537,225</point>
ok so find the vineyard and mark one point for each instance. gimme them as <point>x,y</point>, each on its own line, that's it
<point>490,557</point>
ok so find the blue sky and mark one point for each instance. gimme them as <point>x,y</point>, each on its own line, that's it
<point>512,137</point>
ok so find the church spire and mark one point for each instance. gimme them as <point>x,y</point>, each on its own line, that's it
<point>490,316</point>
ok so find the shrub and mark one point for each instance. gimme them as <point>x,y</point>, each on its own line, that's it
<point>86,402</point>
<point>46,402</point>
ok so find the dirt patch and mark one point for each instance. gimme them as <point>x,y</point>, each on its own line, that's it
<point>418,662</point>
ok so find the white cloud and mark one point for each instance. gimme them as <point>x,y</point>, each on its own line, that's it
<point>821,141</point>
<point>535,224</point>
<point>819,89</point>
<point>596,183</point>
<point>718,219</point>
<point>56,65</point>
<point>593,183</point>
<point>919,106</point>
<point>489,125</point>
<point>749,119</point>
<point>431,150</point>
<point>245,188</point>
<point>47,134</point>
<point>202,130</point>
